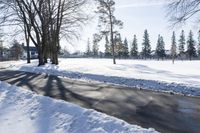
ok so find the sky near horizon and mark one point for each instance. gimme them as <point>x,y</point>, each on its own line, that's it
<point>137,15</point>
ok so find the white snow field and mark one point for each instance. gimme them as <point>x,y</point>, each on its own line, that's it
<point>182,77</point>
<point>22,111</point>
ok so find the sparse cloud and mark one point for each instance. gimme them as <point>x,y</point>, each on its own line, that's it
<point>143,3</point>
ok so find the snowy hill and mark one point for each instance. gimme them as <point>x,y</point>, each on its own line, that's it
<point>23,111</point>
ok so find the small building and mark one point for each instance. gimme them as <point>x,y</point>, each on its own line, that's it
<point>32,50</point>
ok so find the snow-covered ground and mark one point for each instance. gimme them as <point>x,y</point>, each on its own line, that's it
<point>182,77</point>
<point>22,111</point>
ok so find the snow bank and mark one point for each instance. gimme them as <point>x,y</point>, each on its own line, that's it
<point>183,77</point>
<point>22,111</point>
<point>10,64</point>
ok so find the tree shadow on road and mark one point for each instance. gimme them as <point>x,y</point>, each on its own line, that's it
<point>53,87</point>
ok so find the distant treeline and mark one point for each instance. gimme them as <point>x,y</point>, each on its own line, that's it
<point>181,48</point>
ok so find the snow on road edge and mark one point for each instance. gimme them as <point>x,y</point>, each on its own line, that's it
<point>22,111</point>
<point>130,82</point>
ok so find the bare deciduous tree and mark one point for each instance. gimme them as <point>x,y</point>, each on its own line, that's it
<point>180,11</point>
<point>45,22</point>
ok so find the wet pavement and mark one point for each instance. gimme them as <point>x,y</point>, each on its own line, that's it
<point>162,111</point>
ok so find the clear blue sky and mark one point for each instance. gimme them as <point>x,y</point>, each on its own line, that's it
<point>137,16</point>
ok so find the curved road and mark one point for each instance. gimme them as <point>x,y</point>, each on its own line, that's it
<point>164,112</point>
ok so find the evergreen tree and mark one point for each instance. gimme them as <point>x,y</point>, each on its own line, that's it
<point>108,22</point>
<point>134,48</point>
<point>16,50</point>
<point>1,50</point>
<point>198,46</point>
<point>88,50</point>
<point>95,48</point>
<point>182,43</point>
<point>1,33</point>
<point>107,48</point>
<point>119,46</point>
<point>191,46</point>
<point>163,54</point>
<point>125,49</point>
<point>146,49</point>
<point>173,47</point>
<point>160,49</point>
<point>1,44</point>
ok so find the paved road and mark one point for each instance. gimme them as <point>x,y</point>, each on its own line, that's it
<point>164,112</point>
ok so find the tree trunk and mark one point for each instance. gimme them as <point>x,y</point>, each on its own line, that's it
<point>173,59</point>
<point>112,40</point>
<point>54,52</point>
<point>27,44</point>
<point>40,56</point>
<point>28,51</point>
<point>45,50</point>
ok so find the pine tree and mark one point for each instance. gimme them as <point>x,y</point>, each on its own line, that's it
<point>107,48</point>
<point>191,46</point>
<point>1,44</point>
<point>108,22</point>
<point>182,43</point>
<point>16,50</point>
<point>119,48</point>
<point>88,50</point>
<point>160,49</point>
<point>1,50</point>
<point>125,49</point>
<point>198,46</point>
<point>173,47</point>
<point>1,33</point>
<point>146,49</point>
<point>95,49</point>
<point>163,54</point>
<point>134,48</point>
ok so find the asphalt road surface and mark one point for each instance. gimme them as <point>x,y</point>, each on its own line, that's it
<point>164,112</point>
